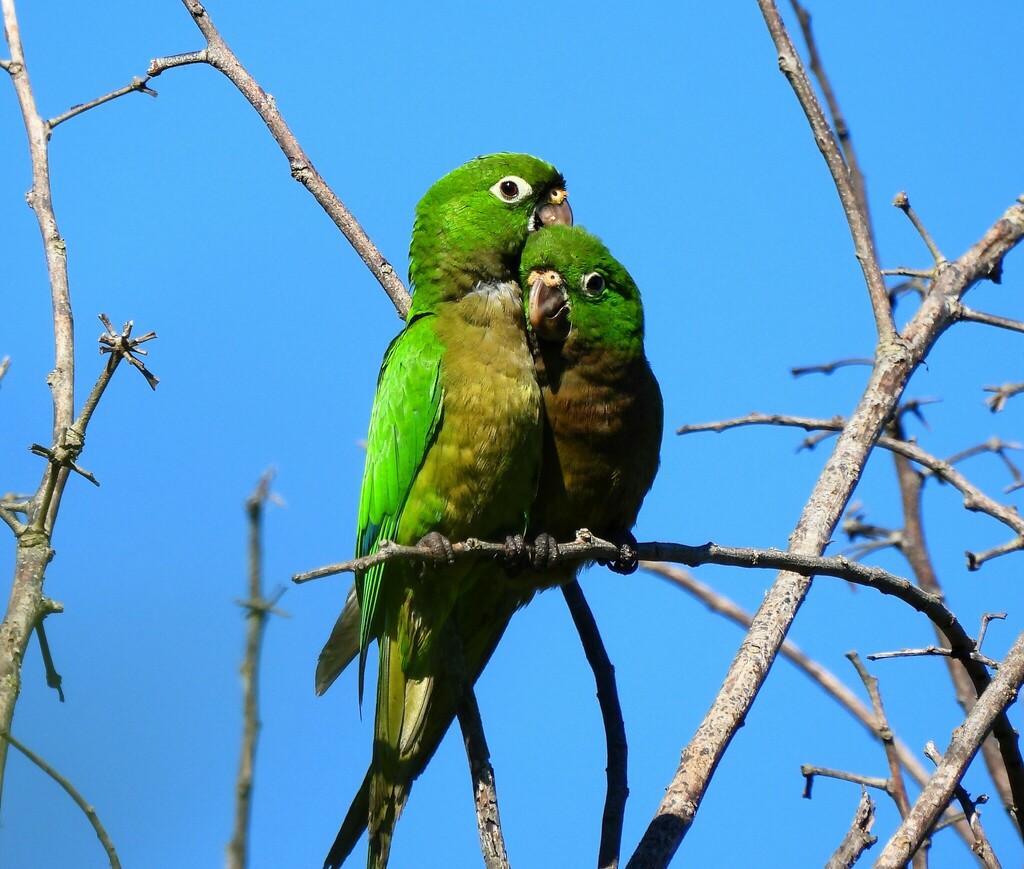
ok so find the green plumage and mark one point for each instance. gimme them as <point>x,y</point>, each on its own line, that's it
<point>454,447</point>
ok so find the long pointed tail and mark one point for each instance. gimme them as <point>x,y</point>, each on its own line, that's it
<point>428,712</point>
<point>352,827</point>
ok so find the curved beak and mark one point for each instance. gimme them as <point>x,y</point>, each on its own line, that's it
<point>549,306</point>
<point>555,210</point>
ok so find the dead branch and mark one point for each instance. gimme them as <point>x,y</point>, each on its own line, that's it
<point>981,847</point>
<point>961,750</point>
<point>820,675</point>
<point>257,611</point>
<point>485,794</point>
<point>974,499</point>
<point>883,731</point>
<point>218,55</point>
<point>72,791</point>
<point>897,357</point>
<point>1002,394</point>
<point>854,205</point>
<point>614,727</point>
<point>859,837</point>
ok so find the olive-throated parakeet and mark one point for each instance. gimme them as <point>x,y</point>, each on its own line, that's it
<point>453,449</point>
<point>602,405</point>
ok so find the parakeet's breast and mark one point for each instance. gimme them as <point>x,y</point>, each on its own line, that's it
<point>485,459</point>
<point>604,428</point>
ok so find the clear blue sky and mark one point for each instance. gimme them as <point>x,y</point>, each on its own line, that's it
<point>685,150</point>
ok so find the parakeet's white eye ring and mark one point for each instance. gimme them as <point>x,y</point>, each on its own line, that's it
<point>512,189</point>
<point>593,285</point>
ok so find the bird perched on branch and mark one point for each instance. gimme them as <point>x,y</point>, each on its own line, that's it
<point>453,451</point>
<point>602,404</point>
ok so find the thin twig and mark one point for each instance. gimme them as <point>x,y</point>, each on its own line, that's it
<point>137,84</point>
<point>53,678</point>
<point>859,837</point>
<point>934,651</point>
<point>973,316</point>
<point>897,787</point>
<point>809,772</point>
<point>258,610</point>
<point>1002,394</point>
<point>829,367</point>
<point>974,499</point>
<point>614,728</point>
<point>842,129</point>
<point>72,792</point>
<point>902,202</point>
<point>923,274</point>
<point>218,55</point>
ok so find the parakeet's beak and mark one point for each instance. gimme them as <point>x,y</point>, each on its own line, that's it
<point>554,210</point>
<point>549,306</point>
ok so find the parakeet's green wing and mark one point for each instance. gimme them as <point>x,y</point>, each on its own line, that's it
<point>406,413</point>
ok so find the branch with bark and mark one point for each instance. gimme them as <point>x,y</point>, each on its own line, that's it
<point>27,606</point>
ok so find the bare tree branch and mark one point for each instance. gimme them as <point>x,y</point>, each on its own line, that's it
<point>25,607</point>
<point>137,84</point>
<point>961,750</point>
<point>853,204</point>
<point>258,610</point>
<point>865,781</point>
<point>72,791</point>
<point>902,202</point>
<point>897,787</point>
<point>981,847</point>
<point>858,839</point>
<point>896,360</point>
<point>974,499</point>
<point>842,130</point>
<point>915,550</point>
<point>828,368</point>
<point>614,728</point>
<point>218,55</point>
<point>821,676</point>
<point>1002,394</point>
<point>485,794</point>
<point>973,316</point>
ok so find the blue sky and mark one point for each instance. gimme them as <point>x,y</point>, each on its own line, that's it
<point>685,150</point>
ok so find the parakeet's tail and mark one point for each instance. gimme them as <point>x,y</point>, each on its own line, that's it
<point>403,709</point>
<point>483,620</point>
<point>342,646</point>
<point>352,827</point>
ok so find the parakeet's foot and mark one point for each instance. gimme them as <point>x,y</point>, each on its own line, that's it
<point>626,562</point>
<point>441,552</point>
<point>545,552</point>
<point>515,555</point>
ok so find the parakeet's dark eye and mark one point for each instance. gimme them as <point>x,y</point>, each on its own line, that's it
<point>593,285</point>
<point>512,189</point>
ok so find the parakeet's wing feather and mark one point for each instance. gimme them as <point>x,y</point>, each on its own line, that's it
<point>405,417</point>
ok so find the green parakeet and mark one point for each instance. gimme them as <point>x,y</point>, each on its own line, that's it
<point>602,404</point>
<point>453,449</point>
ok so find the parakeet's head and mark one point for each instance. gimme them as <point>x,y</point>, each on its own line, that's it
<point>578,292</point>
<point>472,224</point>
